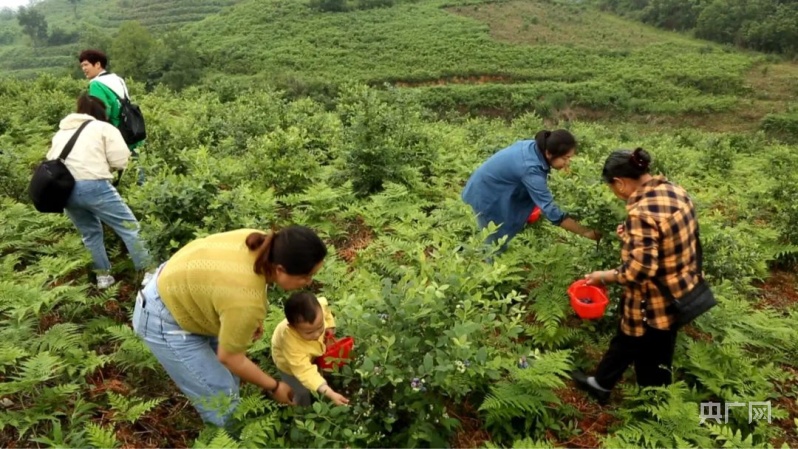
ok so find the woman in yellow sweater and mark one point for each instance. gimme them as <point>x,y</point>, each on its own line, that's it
<point>207,303</point>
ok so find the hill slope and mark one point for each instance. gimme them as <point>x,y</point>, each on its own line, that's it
<point>92,16</point>
<point>504,57</point>
<point>560,59</point>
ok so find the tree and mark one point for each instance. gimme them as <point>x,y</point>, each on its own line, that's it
<point>673,14</point>
<point>132,50</point>
<point>371,4</point>
<point>33,24</point>
<point>178,63</point>
<point>778,33</point>
<point>329,5</point>
<point>59,36</point>
<point>75,6</point>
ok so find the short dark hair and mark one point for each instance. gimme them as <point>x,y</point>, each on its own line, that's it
<point>297,248</point>
<point>626,164</point>
<point>92,106</point>
<point>557,143</point>
<point>94,56</point>
<point>302,307</point>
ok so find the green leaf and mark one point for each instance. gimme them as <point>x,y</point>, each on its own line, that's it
<point>482,355</point>
<point>367,365</point>
<point>428,363</point>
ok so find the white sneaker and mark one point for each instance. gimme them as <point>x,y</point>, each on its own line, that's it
<point>147,278</point>
<point>104,281</point>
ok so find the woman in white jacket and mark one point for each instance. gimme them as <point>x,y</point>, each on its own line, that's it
<point>98,151</point>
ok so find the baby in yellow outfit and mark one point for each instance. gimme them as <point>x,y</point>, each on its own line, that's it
<point>300,338</point>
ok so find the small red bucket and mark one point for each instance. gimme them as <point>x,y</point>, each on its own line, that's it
<point>588,301</point>
<point>338,350</point>
<point>534,216</point>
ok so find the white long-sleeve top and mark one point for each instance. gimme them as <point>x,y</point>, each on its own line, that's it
<point>98,150</point>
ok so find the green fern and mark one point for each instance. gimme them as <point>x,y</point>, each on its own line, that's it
<point>101,437</point>
<point>132,352</point>
<point>252,405</point>
<point>215,438</point>
<point>59,338</point>
<point>130,409</point>
<point>528,392</point>
<point>659,417</point>
<point>264,432</point>
<point>528,443</point>
<point>33,371</point>
<point>9,354</point>
<point>25,421</point>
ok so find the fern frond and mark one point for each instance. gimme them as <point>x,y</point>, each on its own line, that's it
<point>60,337</point>
<point>39,368</point>
<point>262,433</point>
<point>130,409</point>
<point>220,439</point>
<point>252,405</point>
<point>9,354</point>
<point>101,437</point>
<point>731,438</point>
<point>132,352</point>
<point>528,392</point>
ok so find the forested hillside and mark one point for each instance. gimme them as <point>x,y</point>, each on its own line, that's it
<point>764,25</point>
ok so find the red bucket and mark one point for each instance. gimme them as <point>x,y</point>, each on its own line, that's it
<point>588,301</point>
<point>338,350</point>
<point>534,216</point>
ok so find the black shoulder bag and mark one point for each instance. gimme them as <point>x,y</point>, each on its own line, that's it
<point>695,302</point>
<point>52,183</point>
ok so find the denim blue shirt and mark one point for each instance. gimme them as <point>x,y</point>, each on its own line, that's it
<point>506,187</point>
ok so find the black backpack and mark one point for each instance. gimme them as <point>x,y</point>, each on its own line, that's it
<point>131,120</point>
<point>52,183</point>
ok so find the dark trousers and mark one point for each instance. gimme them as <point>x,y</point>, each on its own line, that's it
<point>651,355</point>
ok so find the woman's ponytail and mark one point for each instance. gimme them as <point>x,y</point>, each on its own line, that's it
<point>541,139</point>
<point>262,244</point>
<point>640,159</point>
<point>626,164</point>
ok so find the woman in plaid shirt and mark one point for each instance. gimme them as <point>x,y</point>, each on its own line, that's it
<point>659,243</point>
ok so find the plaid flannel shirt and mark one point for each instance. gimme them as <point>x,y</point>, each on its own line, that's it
<point>659,240</point>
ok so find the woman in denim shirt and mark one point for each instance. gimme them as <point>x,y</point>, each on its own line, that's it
<point>507,187</point>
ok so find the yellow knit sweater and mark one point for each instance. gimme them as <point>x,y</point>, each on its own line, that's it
<point>211,288</point>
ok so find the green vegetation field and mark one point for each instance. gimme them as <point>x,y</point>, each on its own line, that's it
<point>365,125</point>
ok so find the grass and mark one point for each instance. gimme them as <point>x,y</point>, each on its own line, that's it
<point>534,23</point>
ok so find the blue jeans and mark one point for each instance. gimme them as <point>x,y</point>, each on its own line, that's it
<point>95,202</point>
<point>189,359</point>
